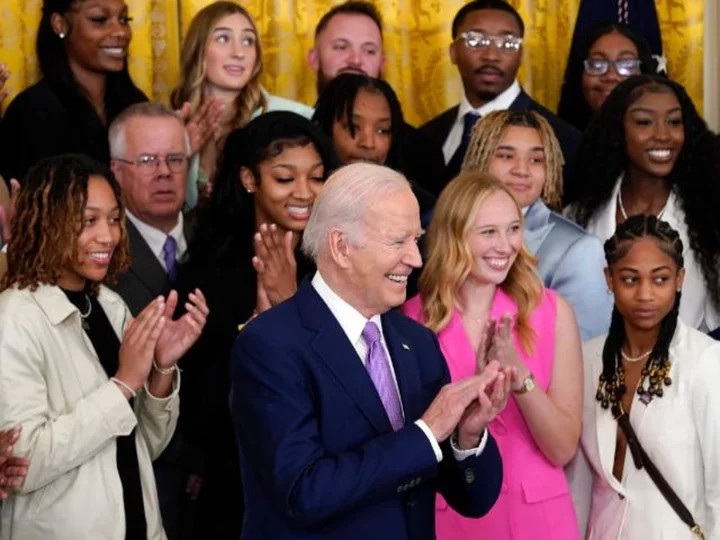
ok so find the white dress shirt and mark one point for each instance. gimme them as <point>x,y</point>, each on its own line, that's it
<point>500,103</point>
<point>353,322</point>
<point>155,238</point>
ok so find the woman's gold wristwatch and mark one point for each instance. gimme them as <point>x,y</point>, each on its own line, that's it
<point>527,385</point>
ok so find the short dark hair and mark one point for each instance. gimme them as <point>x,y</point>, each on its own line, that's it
<point>477,5</point>
<point>351,7</point>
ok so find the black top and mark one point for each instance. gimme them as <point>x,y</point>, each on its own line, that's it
<point>107,347</point>
<point>45,120</point>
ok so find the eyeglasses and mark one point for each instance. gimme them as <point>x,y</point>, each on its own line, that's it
<point>624,67</point>
<point>149,163</point>
<point>478,40</point>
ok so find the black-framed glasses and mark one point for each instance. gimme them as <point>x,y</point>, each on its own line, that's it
<point>477,40</point>
<point>625,67</point>
<point>149,163</point>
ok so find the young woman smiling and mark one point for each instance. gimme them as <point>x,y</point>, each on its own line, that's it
<point>82,51</point>
<point>94,390</point>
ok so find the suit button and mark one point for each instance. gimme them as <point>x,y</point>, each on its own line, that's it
<point>469,476</point>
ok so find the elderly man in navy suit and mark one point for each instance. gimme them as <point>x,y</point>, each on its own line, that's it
<point>347,423</point>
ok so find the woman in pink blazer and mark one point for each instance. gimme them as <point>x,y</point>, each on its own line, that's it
<point>481,294</point>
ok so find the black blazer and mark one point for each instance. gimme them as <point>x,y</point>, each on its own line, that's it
<point>439,127</point>
<point>42,121</point>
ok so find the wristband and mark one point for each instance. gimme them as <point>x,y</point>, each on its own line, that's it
<point>125,385</point>
<point>164,371</point>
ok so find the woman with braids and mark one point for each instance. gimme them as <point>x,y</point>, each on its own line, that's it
<point>521,150</point>
<point>245,256</point>
<point>649,152</point>
<point>94,391</point>
<point>221,65</point>
<point>82,51</point>
<point>481,294</point>
<point>658,376</point>
<point>609,53</point>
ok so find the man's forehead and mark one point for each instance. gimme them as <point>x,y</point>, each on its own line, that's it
<point>353,26</point>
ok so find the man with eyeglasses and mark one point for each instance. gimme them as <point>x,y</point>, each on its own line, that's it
<point>487,50</point>
<point>149,148</point>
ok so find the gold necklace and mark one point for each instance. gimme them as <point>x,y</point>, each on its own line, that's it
<point>631,359</point>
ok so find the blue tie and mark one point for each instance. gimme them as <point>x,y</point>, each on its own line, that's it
<point>169,250</point>
<point>455,163</point>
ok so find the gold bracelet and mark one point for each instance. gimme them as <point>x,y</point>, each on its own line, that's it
<point>165,371</point>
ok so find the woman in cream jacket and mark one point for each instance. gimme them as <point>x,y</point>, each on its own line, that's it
<point>95,392</point>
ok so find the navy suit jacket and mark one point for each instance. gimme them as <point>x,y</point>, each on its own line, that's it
<point>319,458</point>
<point>569,137</point>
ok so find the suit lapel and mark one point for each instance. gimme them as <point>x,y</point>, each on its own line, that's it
<point>522,102</point>
<point>145,265</point>
<point>537,226</point>
<point>339,355</point>
<point>402,356</point>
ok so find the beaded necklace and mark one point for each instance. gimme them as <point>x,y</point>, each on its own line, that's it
<point>655,374</point>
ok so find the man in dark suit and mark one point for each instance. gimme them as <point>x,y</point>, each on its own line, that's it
<point>149,148</point>
<point>487,50</point>
<point>346,422</point>
<point>349,39</point>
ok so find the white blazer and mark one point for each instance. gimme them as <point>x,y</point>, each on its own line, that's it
<point>696,308</point>
<point>53,385</point>
<point>681,434</point>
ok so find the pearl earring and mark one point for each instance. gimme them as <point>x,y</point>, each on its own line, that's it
<point>62,35</point>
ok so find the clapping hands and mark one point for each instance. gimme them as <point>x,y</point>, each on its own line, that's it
<point>275,264</point>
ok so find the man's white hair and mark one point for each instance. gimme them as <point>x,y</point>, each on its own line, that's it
<point>148,109</point>
<point>345,201</point>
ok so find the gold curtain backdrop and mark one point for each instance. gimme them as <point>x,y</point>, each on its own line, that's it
<point>417,35</point>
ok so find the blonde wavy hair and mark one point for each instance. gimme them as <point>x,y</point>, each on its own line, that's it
<point>450,262</point>
<point>193,70</point>
<point>488,133</point>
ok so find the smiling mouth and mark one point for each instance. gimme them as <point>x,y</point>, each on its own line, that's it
<point>498,263</point>
<point>398,278</point>
<point>355,159</point>
<point>661,155</point>
<point>114,52</point>
<point>235,70</point>
<point>100,257</point>
<point>301,213</point>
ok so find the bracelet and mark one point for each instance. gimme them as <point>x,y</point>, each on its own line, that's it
<point>164,371</point>
<point>125,385</point>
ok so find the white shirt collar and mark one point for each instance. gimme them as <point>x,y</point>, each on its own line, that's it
<point>350,319</point>
<point>155,238</point>
<point>501,103</point>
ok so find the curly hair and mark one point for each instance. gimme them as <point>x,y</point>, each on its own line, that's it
<point>573,107</point>
<point>48,222</point>
<point>488,133</point>
<point>616,248</point>
<point>193,69</point>
<point>449,261</point>
<point>604,158</point>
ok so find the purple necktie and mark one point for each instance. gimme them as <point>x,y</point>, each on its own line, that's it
<point>169,249</point>
<point>378,366</point>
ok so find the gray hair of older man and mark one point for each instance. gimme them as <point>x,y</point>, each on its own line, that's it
<point>346,199</point>
<point>148,109</point>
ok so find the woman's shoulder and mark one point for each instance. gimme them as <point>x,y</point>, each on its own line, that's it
<point>35,99</point>
<point>277,103</point>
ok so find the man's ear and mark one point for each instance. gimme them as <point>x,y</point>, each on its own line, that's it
<point>313,59</point>
<point>452,53</point>
<point>339,248</point>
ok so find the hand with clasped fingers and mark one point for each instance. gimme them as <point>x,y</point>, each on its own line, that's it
<point>503,350</point>
<point>203,125</point>
<point>275,264</point>
<point>12,469</point>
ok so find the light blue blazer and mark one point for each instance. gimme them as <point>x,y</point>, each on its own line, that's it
<point>571,262</point>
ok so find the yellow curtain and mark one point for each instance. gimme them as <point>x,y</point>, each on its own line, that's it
<point>417,35</point>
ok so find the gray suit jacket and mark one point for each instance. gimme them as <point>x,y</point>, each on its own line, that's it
<point>571,262</point>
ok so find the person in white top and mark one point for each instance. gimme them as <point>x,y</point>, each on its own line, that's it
<point>655,379</point>
<point>648,151</point>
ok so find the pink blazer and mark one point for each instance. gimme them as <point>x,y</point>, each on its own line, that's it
<point>535,500</point>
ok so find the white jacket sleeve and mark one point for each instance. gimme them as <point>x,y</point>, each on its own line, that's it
<point>54,444</point>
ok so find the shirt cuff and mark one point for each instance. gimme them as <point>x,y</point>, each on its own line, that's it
<point>175,389</point>
<point>435,446</point>
<point>461,455</point>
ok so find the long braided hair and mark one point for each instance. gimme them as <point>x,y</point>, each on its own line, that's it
<point>617,247</point>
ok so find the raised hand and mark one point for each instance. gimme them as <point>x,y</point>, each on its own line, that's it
<point>275,263</point>
<point>179,335</point>
<point>12,469</point>
<point>490,402</point>
<point>486,341</point>
<point>503,350</point>
<point>204,124</point>
<point>138,345</point>
<point>6,213</point>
